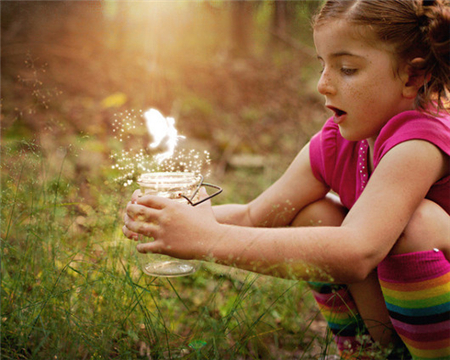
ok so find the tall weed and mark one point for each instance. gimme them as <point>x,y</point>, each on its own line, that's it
<point>71,287</point>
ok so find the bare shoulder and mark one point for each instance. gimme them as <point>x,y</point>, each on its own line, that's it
<point>418,157</point>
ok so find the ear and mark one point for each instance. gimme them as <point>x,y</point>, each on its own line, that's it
<point>413,77</point>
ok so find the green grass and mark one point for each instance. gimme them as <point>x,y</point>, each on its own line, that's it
<point>71,287</point>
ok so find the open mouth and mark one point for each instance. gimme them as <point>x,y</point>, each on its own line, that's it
<point>337,112</point>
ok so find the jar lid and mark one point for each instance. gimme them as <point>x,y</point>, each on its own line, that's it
<point>168,178</point>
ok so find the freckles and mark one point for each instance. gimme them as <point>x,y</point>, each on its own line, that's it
<point>368,93</point>
<point>357,93</point>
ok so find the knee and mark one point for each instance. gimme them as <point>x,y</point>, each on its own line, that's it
<point>428,228</point>
<point>325,212</point>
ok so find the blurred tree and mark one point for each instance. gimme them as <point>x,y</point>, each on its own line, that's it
<point>120,25</point>
<point>241,27</point>
<point>280,17</point>
<point>290,20</point>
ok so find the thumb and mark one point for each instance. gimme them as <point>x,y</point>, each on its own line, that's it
<point>202,196</point>
<point>202,193</point>
<point>135,196</point>
<point>149,247</point>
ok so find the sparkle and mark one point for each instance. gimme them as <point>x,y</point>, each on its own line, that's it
<point>136,157</point>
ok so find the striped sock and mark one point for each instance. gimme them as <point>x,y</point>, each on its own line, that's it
<point>416,289</point>
<point>339,310</point>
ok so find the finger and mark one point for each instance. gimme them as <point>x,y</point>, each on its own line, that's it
<point>141,213</point>
<point>142,228</point>
<point>126,209</point>
<point>155,202</point>
<point>130,234</point>
<point>135,196</point>
<point>150,247</point>
<point>202,193</point>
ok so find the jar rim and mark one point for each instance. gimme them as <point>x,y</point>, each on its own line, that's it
<point>169,177</point>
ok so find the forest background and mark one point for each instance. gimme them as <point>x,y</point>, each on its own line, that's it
<point>239,77</point>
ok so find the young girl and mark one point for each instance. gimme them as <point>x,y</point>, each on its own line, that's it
<point>385,152</point>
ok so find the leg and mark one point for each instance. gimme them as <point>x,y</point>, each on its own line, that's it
<point>428,229</point>
<point>372,308</point>
<point>326,212</point>
<point>353,312</point>
<point>415,280</point>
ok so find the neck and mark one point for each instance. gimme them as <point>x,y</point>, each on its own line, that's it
<point>371,142</point>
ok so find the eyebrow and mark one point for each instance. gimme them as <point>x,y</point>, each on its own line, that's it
<point>340,54</point>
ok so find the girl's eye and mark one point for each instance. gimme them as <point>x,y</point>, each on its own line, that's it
<point>348,71</point>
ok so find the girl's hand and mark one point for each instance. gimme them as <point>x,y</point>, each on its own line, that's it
<point>178,230</point>
<point>129,234</point>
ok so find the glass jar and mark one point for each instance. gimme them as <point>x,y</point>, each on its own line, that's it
<point>171,185</point>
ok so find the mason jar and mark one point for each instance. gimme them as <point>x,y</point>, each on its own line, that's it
<point>171,185</point>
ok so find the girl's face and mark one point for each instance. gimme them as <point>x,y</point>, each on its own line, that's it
<point>359,81</point>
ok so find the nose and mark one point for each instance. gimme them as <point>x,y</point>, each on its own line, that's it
<point>325,86</point>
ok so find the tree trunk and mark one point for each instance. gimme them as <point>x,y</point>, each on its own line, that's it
<point>279,20</point>
<point>241,28</point>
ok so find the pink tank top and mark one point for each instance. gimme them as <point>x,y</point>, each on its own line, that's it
<point>342,165</point>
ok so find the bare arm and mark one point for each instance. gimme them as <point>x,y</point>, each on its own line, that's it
<point>344,254</point>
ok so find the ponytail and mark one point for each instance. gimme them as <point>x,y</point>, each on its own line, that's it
<point>434,21</point>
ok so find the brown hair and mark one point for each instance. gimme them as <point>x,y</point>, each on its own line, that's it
<point>414,28</point>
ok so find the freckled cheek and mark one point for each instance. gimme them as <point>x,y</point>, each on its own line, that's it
<point>366,96</point>
<point>368,100</point>
<point>358,95</point>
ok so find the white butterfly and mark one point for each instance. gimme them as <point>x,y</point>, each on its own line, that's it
<point>162,130</point>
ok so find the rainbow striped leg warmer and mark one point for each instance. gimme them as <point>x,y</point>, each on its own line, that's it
<point>339,310</point>
<point>416,289</point>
